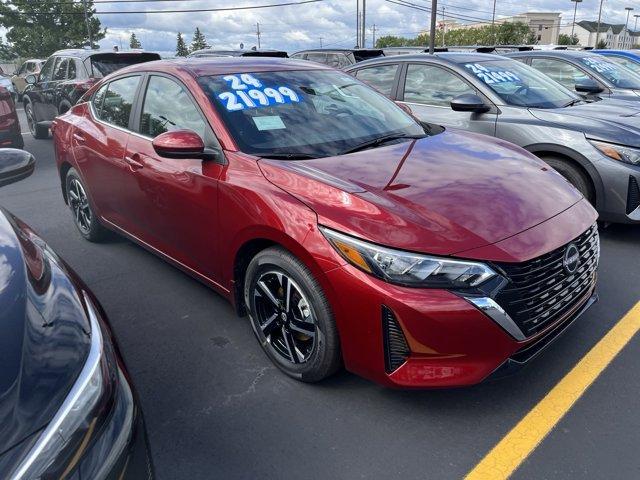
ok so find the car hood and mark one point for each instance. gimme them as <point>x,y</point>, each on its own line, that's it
<point>43,342</point>
<point>617,121</point>
<point>442,194</point>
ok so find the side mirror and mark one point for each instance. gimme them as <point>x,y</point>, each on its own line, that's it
<point>31,79</point>
<point>15,165</point>
<point>179,144</point>
<point>588,85</point>
<point>468,102</point>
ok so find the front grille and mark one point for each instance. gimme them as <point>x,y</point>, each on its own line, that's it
<point>541,291</point>
<point>633,195</point>
<point>396,350</point>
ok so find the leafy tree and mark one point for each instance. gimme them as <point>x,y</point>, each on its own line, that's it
<point>601,44</point>
<point>36,28</point>
<point>134,42</point>
<point>6,52</point>
<point>181,47</point>
<point>564,39</point>
<point>199,41</point>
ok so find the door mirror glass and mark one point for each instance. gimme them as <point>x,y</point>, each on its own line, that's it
<point>469,102</point>
<point>179,144</point>
<point>31,79</point>
<point>15,165</point>
<point>588,85</point>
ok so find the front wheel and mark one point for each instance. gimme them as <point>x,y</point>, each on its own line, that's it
<point>38,131</point>
<point>83,216</point>
<point>573,175</point>
<point>291,316</point>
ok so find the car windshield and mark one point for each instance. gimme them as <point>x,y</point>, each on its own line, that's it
<point>304,113</point>
<point>520,85</point>
<point>618,75</point>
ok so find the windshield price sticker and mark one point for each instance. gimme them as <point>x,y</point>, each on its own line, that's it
<point>492,76</point>
<point>598,65</point>
<point>249,92</point>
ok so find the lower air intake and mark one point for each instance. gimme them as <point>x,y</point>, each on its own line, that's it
<point>396,350</point>
<point>633,195</point>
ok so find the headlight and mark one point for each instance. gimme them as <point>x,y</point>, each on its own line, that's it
<point>78,412</point>
<point>406,268</point>
<point>617,152</point>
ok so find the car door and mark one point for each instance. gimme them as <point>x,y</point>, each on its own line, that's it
<point>48,109</point>
<point>99,143</point>
<point>36,91</point>
<point>428,90</point>
<point>175,204</point>
<point>565,73</point>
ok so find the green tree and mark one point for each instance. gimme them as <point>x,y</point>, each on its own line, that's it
<point>601,44</point>
<point>36,28</point>
<point>564,39</point>
<point>134,42</point>
<point>199,41</point>
<point>181,47</point>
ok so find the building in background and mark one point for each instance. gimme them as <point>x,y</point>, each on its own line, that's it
<point>545,25</point>
<point>615,35</point>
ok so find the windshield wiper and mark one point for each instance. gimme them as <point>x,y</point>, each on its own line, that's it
<point>572,103</point>
<point>289,156</point>
<point>379,141</point>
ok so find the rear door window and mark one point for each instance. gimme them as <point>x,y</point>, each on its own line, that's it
<point>381,78</point>
<point>118,100</point>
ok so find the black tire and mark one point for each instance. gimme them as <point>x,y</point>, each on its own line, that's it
<point>84,217</point>
<point>314,357</point>
<point>574,175</point>
<point>39,132</point>
<point>63,107</point>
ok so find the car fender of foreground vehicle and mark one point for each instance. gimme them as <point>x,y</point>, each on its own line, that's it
<point>66,403</point>
<point>347,231</point>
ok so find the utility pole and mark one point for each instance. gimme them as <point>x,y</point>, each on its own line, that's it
<point>86,20</point>
<point>432,30</point>
<point>635,28</point>
<point>599,18</point>
<point>374,34</point>
<point>626,27</point>
<point>364,24</point>
<point>444,26</point>
<point>321,42</point>
<point>258,33</point>
<point>493,23</point>
<point>575,10</point>
<point>357,23</point>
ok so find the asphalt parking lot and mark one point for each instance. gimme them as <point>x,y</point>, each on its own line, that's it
<point>216,408</point>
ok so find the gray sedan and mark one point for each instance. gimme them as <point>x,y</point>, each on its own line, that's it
<point>596,146</point>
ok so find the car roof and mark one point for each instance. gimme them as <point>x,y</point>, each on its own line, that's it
<point>624,53</point>
<point>444,57</point>
<point>352,50</point>
<point>232,51</point>
<point>85,53</point>
<point>553,53</point>
<point>204,66</point>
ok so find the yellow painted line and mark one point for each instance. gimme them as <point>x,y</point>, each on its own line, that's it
<point>523,439</point>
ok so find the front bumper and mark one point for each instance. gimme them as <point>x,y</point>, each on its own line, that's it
<point>620,198</point>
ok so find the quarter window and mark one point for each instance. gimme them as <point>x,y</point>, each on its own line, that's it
<point>381,78</point>
<point>433,85</point>
<point>562,72</point>
<point>117,101</point>
<point>167,106</point>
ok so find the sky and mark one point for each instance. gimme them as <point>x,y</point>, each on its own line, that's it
<point>299,27</point>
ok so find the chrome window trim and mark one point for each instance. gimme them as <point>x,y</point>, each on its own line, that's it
<point>91,364</point>
<point>494,311</point>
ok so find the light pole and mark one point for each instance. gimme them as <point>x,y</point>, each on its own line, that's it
<point>599,18</point>
<point>575,10</point>
<point>432,30</point>
<point>626,26</point>
<point>493,23</point>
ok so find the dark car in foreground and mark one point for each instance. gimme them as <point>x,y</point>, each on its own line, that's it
<point>65,77</point>
<point>66,403</point>
<point>596,146</point>
<point>349,232</point>
<point>591,75</point>
<point>217,52</point>
<point>10,134</point>
<point>338,57</point>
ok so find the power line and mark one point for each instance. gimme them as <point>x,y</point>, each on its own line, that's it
<point>192,10</point>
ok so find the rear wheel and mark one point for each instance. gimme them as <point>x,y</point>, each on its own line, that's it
<point>38,131</point>
<point>291,317</point>
<point>574,175</point>
<point>83,216</point>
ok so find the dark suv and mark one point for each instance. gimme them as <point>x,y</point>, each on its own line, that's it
<point>338,58</point>
<point>66,75</point>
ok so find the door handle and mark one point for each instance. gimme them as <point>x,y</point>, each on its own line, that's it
<point>134,162</point>
<point>78,137</point>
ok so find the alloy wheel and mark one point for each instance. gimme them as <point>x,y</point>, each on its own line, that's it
<point>80,206</point>
<point>285,317</point>
<point>28,111</point>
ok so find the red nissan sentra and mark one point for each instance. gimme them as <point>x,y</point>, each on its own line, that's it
<point>346,230</point>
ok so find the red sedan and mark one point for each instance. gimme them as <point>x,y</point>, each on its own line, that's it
<point>348,232</point>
